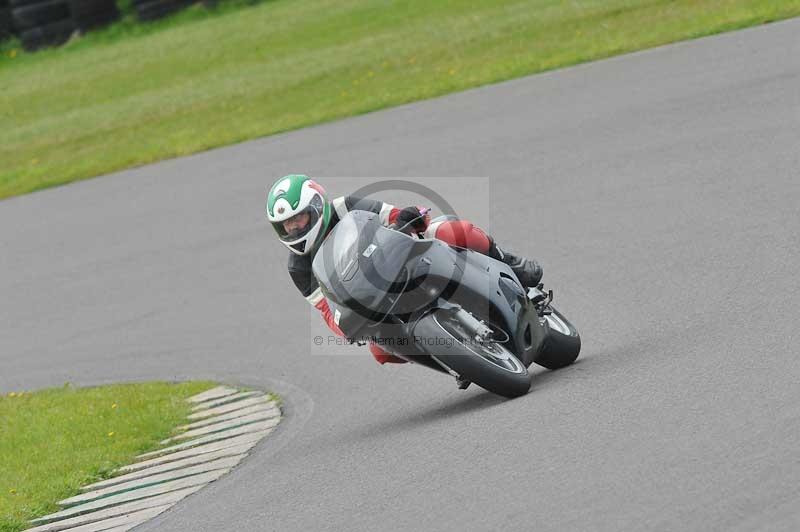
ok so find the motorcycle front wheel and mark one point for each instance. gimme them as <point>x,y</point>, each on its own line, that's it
<point>490,365</point>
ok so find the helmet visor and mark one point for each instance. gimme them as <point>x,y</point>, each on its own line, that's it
<point>298,226</point>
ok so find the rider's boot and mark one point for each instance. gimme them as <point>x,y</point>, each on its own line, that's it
<point>528,271</point>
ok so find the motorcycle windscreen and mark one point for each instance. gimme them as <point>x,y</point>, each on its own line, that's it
<point>362,265</point>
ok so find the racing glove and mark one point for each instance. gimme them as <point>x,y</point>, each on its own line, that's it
<point>412,220</point>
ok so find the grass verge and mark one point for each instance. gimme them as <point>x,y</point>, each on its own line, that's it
<point>122,98</point>
<point>55,441</point>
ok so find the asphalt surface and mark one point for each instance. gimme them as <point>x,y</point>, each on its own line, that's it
<point>659,189</point>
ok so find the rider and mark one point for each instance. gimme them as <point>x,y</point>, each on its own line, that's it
<point>302,215</point>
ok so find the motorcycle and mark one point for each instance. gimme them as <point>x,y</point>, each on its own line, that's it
<point>451,309</point>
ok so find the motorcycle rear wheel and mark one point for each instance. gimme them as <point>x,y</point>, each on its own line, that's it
<point>562,343</point>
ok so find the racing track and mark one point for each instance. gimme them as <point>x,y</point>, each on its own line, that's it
<point>659,189</point>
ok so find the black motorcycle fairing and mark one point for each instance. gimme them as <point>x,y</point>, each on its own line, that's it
<point>379,281</point>
<point>358,263</point>
<point>362,268</point>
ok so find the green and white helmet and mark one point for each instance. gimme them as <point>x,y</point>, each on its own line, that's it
<point>298,195</point>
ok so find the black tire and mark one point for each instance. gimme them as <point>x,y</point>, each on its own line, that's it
<point>156,9</point>
<point>92,8</point>
<point>22,3</point>
<point>50,35</point>
<point>96,21</point>
<point>562,343</point>
<point>90,21</point>
<point>33,16</point>
<point>6,27</point>
<point>441,336</point>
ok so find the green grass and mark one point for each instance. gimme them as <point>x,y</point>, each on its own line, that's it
<point>135,94</point>
<point>54,441</point>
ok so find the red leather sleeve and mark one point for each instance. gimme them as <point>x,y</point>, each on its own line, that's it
<point>327,315</point>
<point>393,215</point>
